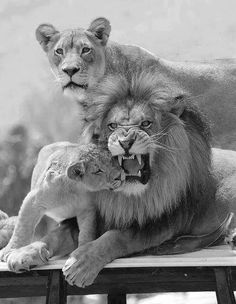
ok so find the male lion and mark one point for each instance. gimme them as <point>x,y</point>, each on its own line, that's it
<point>62,180</point>
<point>175,188</point>
<point>81,58</point>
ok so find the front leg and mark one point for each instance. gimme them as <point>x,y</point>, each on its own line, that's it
<point>29,215</point>
<point>88,260</point>
<point>86,220</point>
<point>60,241</point>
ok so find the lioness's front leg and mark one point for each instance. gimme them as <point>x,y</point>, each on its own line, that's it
<point>88,260</point>
<point>29,215</point>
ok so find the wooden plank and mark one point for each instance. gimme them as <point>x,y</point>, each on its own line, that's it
<point>149,280</point>
<point>112,281</point>
<point>27,284</point>
<point>116,299</point>
<point>56,288</point>
<point>224,291</point>
<point>215,256</point>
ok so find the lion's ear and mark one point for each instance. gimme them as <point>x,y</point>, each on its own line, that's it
<point>75,171</point>
<point>177,105</point>
<point>101,29</point>
<point>44,34</point>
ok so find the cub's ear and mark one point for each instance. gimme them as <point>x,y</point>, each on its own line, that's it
<point>44,34</point>
<point>75,171</point>
<point>101,29</point>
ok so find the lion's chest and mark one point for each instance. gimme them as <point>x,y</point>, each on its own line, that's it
<point>119,211</point>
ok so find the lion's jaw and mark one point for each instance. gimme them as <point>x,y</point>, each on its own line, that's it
<point>136,161</point>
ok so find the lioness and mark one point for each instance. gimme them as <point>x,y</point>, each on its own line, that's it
<point>62,180</point>
<point>81,58</point>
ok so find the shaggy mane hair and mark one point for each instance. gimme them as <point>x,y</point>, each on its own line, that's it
<point>181,159</point>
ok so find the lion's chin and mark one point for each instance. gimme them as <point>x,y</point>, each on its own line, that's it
<point>132,188</point>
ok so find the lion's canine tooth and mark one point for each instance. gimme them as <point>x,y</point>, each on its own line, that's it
<point>120,159</point>
<point>139,173</point>
<point>139,158</point>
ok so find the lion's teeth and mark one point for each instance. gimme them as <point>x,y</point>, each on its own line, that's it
<point>139,173</point>
<point>120,159</point>
<point>128,157</point>
<point>139,158</point>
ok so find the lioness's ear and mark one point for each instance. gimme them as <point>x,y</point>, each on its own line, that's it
<point>75,171</point>
<point>44,34</point>
<point>101,29</point>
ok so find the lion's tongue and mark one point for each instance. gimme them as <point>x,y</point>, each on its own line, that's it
<point>132,166</point>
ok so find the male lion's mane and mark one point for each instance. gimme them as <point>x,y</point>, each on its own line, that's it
<point>181,160</point>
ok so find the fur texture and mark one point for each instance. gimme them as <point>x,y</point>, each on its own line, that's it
<point>180,154</point>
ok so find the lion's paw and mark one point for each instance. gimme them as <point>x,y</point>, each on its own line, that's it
<point>231,240</point>
<point>25,258</point>
<point>4,253</point>
<point>83,266</point>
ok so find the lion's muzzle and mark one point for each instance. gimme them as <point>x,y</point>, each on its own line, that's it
<point>136,167</point>
<point>131,152</point>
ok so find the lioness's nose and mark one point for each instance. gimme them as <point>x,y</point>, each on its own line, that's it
<point>70,70</point>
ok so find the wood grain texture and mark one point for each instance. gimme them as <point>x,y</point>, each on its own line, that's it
<point>213,256</point>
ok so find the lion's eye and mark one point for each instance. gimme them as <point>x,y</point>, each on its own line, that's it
<point>59,51</point>
<point>146,124</point>
<point>112,126</point>
<point>86,50</point>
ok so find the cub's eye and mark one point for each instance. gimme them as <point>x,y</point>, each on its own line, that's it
<point>86,50</point>
<point>59,51</point>
<point>112,126</point>
<point>99,171</point>
<point>146,124</point>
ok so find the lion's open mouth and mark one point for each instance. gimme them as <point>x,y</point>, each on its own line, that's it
<point>72,85</point>
<point>136,167</point>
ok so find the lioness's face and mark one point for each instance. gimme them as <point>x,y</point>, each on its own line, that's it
<point>77,62</point>
<point>129,133</point>
<point>76,56</point>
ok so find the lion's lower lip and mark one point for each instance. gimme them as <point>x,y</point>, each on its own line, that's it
<point>73,85</point>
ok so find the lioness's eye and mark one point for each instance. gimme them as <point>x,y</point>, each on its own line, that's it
<point>112,126</point>
<point>146,124</point>
<point>59,51</point>
<point>86,50</point>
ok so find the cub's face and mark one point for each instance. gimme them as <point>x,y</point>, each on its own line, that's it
<point>76,56</point>
<point>96,171</point>
<point>130,134</point>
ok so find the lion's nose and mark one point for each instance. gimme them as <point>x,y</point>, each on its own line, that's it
<point>70,70</point>
<point>126,144</point>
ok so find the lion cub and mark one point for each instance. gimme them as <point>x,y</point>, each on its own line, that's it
<point>62,179</point>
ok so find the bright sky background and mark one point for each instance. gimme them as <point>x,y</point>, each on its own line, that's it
<point>174,29</point>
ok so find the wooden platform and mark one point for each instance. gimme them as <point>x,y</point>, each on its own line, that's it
<point>212,269</point>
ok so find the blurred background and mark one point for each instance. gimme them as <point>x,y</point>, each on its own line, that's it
<point>33,111</point>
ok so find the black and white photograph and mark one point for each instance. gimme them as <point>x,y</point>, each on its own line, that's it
<point>118,152</point>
